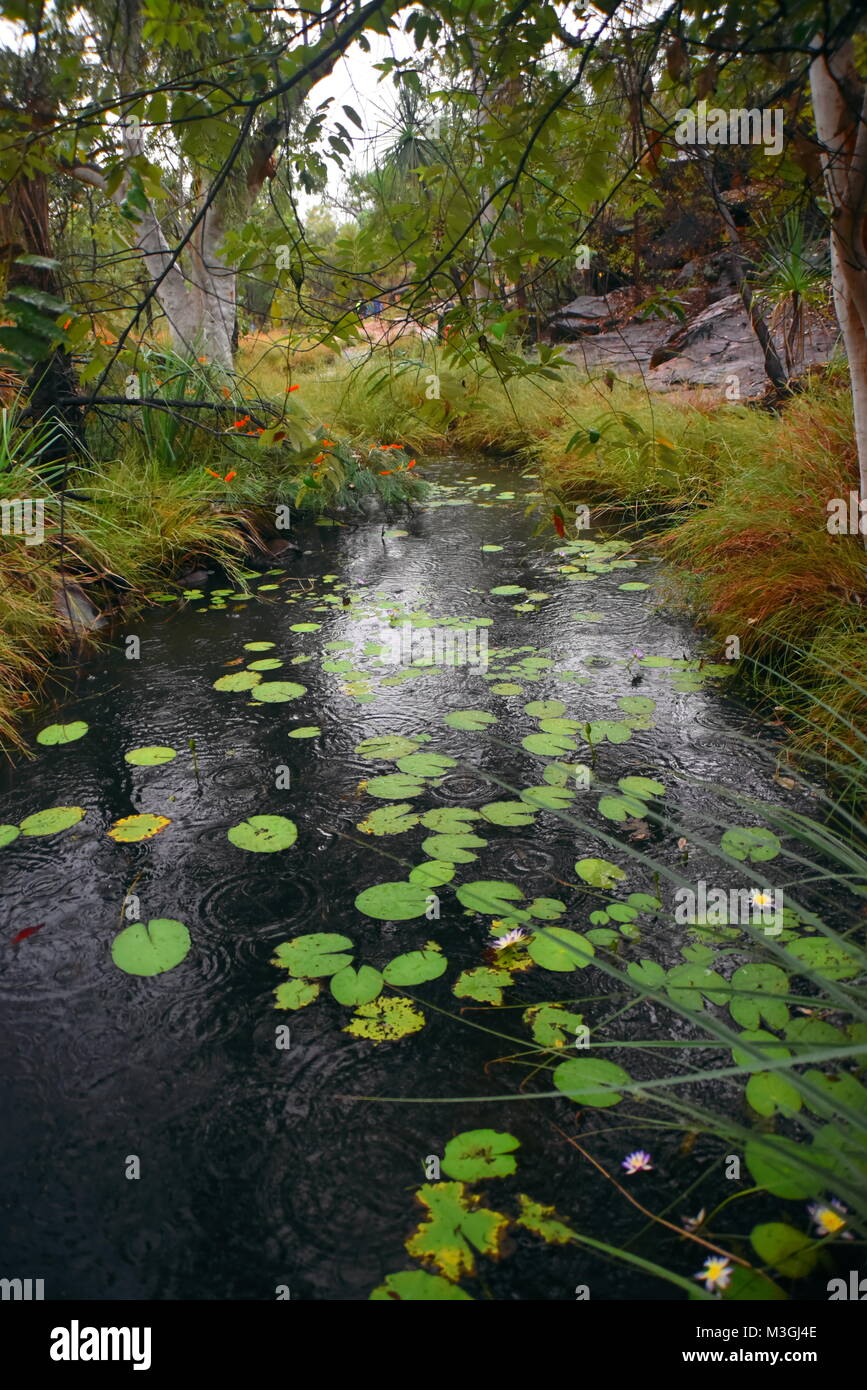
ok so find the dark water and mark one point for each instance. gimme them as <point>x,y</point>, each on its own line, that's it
<point>258,1166</point>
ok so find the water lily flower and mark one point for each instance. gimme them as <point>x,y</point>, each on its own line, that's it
<point>829,1219</point>
<point>759,897</point>
<point>638,1162</point>
<point>716,1274</point>
<point>511,938</point>
<point>636,651</point>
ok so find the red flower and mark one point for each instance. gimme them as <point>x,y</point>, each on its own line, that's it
<point>229,476</point>
<point>558,525</point>
<point>291,388</point>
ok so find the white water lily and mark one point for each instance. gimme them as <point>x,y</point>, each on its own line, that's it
<point>511,938</point>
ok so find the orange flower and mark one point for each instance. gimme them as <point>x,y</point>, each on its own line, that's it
<point>201,359</point>
<point>226,392</point>
<point>319,458</point>
<point>291,388</point>
<point>230,476</point>
<point>411,464</point>
<point>328,443</point>
<point>384,472</point>
<point>239,424</point>
<point>212,473</point>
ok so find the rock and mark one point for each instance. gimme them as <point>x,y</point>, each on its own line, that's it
<point>588,314</point>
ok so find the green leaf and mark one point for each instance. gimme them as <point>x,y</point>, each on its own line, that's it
<point>484,984</point>
<point>130,830</point>
<point>478,1154</point>
<point>277,692</point>
<point>388,747</point>
<point>432,874</point>
<point>568,950</point>
<point>787,1250</point>
<point>549,745</point>
<point>389,820</point>
<point>751,842</point>
<point>552,1025</point>
<point>393,902</point>
<point>492,896</point>
<point>646,973</point>
<point>151,949</point>
<point>264,834</point>
<point>469,719</point>
<point>53,734</point>
<point>819,954</point>
<point>414,1286</point>
<point>507,813</point>
<point>51,821</point>
<point>238,680</point>
<point>314,955</point>
<point>354,987</point>
<point>750,1011</point>
<point>542,1221</point>
<point>777,1165</point>
<point>8,833</point>
<point>456,1227</point>
<point>426,764</point>
<point>449,820</point>
<point>415,968</point>
<point>620,808</point>
<point>599,873</point>
<point>770,1091</point>
<point>152,756</point>
<point>590,1081</point>
<point>644,787</point>
<point>296,994</point>
<point>455,849</point>
<point>394,786</point>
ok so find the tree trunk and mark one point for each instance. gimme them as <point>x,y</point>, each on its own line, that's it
<point>840,107</point>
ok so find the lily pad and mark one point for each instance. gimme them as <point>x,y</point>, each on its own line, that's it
<point>495,897</point>
<point>277,692</point>
<point>426,764</point>
<point>389,820</point>
<point>306,731</point>
<point>485,984</point>
<point>51,821</point>
<point>151,949</point>
<point>296,994</point>
<point>561,949</point>
<point>413,1285</point>
<point>264,834</point>
<point>393,902</point>
<point>599,873</point>
<point>385,1020</point>
<point>131,829</point>
<point>152,756</point>
<point>751,842</point>
<point>389,747</point>
<point>53,734</point>
<point>479,1154</point>
<point>508,813</point>
<point>455,849</point>
<point>432,874</point>
<point>8,833</point>
<point>455,1228</point>
<point>314,955</point>
<point>591,1081</point>
<point>238,680</point>
<point>415,968</point>
<point>353,987</point>
<point>469,719</point>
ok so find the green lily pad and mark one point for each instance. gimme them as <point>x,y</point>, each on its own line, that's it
<point>550,798</point>
<point>479,1154</point>
<point>389,747</point>
<point>751,842</point>
<point>426,764</point>
<point>552,1025</point>
<point>277,692</point>
<point>542,1221</point>
<point>393,902</point>
<point>238,680</point>
<point>599,873</point>
<point>314,955</point>
<point>53,734</point>
<point>455,1228</point>
<point>306,731</point>
<point>645,787</point>
<point>449,820</point>
<point>152,756</point>
<point>549,745</point>
<point>485,984</point>
<point>353,987</point>
<point>492,896</point>
<point>413,1285</point>
<point>296,994</point>
<point>620,808</point>
<point>8,833</point>
<point>432,874</point>
<point>508,590</point>
<point>51,821</point>
<point>268,663</point>
<point>507,813</point>
<point>254,646</point>
<point>389,820</point>
<point>264,834</point>
<point>590,1081</point>
<point>415,968</point>
<point>151,949</point>
<point>469,719</point>
<point>561,949</point>
<point>545,709</point>
<point>455,849</point>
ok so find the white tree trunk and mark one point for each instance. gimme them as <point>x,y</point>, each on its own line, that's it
<point>840,107</point>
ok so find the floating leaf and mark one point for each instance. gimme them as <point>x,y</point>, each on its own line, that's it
<point>130,829</point>
<point>264,834</point>
<point>551,798</point>
<point>238,680</point>
<point>389,820</point>
<point>394,786</point>
<point>749,1011</point>
<point>51,821</point>
<point>456,1226</point>
<point>455,849</point>
<point>385,1020</point>
<point>449,820</point>
<point>599,873</point>
<point>492,896</point>
<point>549,745</point>
<point>620,808</point>
<point>317,954</point>
<point>478,1154</point>
<point>791,1252</point>
<point>268,663</point>
<point>484,984</point>
<point>545,709</point>
<point>751,842</point>
<point>825,957</point>
<point>354,987</point>
<point>393,902</point>
<point>426,764</point>
<point>151,949</point>
<point>552,1025</point>
<point>590,1081</point>
<point>508,590</point>
<point>413,1285</point>
<point>277,692</point>
<point>389,747</point>
<point>432,874</point>
<point>645,787</point>
<point>543,1221</point>
<point>561,949</point>
<point>8,833</point>
<point>252,646</point>
<point>296,994</point>
<point>769,1091</point>
<point>507,813</point>
<point>306,731</point>
<point>637,704</point>
<point>469,719</point>
<point>152,756</point>
<point>415,968</point>
<point>62,733</point>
